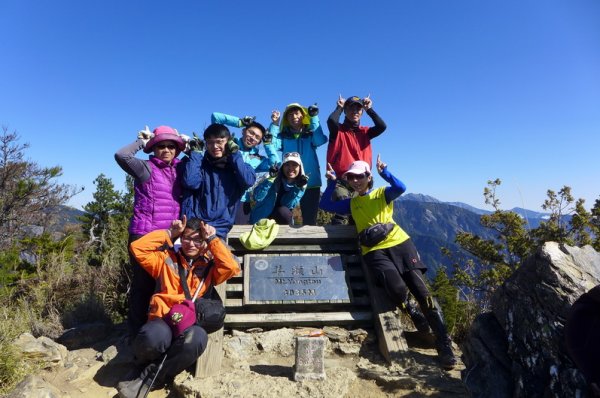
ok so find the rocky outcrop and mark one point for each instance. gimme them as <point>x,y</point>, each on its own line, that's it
<point>518,349</point>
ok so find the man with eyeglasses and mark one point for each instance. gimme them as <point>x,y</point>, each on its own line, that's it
<point>161,339</point>
<point>350,141</point>
<point>157,195</point>
<point>215,180</point>
<point>253,133</point>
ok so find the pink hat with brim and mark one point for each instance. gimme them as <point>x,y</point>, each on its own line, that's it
<point>358,167</point>
<point>164,133</point>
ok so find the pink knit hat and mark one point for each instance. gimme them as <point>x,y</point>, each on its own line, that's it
<point>164,133</point>
<point>181,316</point>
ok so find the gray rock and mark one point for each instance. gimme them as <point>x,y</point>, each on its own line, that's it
<point>530,309</point>
<point>34,387</point>
<point>42,349</point>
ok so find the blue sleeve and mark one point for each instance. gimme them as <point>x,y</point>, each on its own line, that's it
<point>192,178</point>
<point>318,138</point>
<point>277,143</point>
<point>268,161</point>
<point>396,187</point>
<point>244,173</point>
<point>339,207</point>
<point>260,191</point>
<point>227,120</point>
<point>292,198</point>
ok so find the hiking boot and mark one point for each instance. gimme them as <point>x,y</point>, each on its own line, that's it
<point>446,356</point>
<point>136,388</point>
<point>443,343</point>
<point>139,386</point>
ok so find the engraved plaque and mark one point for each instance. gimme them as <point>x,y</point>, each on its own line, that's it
<point>277,279</point>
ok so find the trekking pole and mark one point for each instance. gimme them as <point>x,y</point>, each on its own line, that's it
<point>156,375</point>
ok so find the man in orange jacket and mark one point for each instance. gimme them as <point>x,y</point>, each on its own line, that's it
<point>200,247</point>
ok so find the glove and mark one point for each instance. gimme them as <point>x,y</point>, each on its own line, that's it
<point>274,170</point>
<point>231,146</point>
<point>301,181</point>
<point>195,144</point>
<point>185,138</point>
<point>246,121</point>
<point>268,138</point>
<point>313,110</point>
<point>145,135</point>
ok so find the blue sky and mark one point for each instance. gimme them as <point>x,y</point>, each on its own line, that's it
<point>470,90</point>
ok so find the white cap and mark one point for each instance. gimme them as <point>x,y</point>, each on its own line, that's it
<point>358,167</point>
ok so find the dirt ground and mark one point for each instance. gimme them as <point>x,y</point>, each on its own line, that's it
<point>265,374</point>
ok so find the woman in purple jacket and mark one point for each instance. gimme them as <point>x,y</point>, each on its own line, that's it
<point>157,190</point>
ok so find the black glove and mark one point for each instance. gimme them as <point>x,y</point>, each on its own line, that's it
<point>301,181</point>
<point>247,120</point>
<point>231,146</point>
<point>313,110</point>
<point>196,144</point>
<point>268,138</point>
<point>274,170</point>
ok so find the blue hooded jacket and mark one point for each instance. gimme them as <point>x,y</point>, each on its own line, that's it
<point>252,156</point>
<point>305,143</point>
<point>212,188</point>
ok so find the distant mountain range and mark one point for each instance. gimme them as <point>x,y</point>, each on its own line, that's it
<point>431,223</point>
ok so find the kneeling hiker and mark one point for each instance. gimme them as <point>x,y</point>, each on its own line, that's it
<point>164,339</point>
<point>277,195</point>
<point>387,249</point>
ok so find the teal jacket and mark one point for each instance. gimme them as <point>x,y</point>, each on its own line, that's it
<point>306,144</point>
<point>251,156</point>
<point>265,195</point>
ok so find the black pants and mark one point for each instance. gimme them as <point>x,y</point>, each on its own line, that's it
<point>399,270</point>
<point>282,215</point>
<point>140,292</point>
<point>155,339</point>
<point>309,204</point>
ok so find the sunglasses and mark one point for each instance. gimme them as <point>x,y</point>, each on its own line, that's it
<point>294,154</point>
<point>355,176</point>
<point>167,146</point>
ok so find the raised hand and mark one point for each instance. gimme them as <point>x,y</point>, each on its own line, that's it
<point>145,135</point>
<point>177,227</point>
<point>207,231</point>
<point>341,101</point>
<point>232,146</point>
<point>301,181</point>
<point>195,144</point>
<point>275,115</point>
<point>247,120</point>
<point>330,174</point>
<point>368,102</point>
<point>380,164</point>
<point>313,110</point>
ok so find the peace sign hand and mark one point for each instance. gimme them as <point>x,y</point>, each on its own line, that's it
<point>380,164</point>
<point>177,227</point>
<point>330,173</point>
<point>207,231</point>
<point>367,102</point>
<point>341,101</point>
